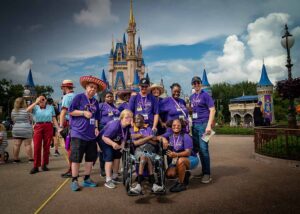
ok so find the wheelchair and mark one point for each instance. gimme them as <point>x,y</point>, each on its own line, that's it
<point>131,165</point>
<point>6,156</point>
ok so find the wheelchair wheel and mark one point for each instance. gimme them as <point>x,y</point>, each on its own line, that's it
<point>125,166</point>
<point>6,156</point>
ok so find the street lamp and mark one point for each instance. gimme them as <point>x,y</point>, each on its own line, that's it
<point>287,41</point>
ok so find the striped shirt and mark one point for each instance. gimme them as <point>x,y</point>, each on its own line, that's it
<point>22,127</point>
<point>4,144</point>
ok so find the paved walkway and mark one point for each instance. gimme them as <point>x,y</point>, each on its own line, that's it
<point>240,185</point>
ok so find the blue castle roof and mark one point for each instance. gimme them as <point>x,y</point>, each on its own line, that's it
<point>120,77</point>
<point>136,79</point>
<point>246,98</point>
<point>204,79</point>
<point>29,81</point>
<point>121,46</point>
<point>264,79</point>
<point>104,79</point>
<point>147,77</point>
<point>124,39</point>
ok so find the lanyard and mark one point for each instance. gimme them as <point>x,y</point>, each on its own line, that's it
<point>110,108</point>
<point>124,135</point>
<point>175,142</point>
<point>196,98</point>
<point>91,106</point>
<point>179,107</point>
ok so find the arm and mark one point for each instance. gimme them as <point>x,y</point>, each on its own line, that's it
<point>54,120</point>
<point>142,140</point>
<point>29,108</point>
<point>156,116</point>
<point>111,143</point>
<point>212,112</point>
<point>62,117</point>
<point>79,113</point>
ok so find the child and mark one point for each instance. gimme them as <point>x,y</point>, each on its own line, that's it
<point>3,142</point>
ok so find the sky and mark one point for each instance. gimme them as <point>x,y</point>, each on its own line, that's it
<point>66,39</point>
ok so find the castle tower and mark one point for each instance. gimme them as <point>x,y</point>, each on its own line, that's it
<point>29,88</point>
<point>205,84</point>
<point>264,91</point>
<point>131,56</point>
<point>125,59</point>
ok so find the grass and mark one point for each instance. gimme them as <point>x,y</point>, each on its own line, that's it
<point>227,130</point>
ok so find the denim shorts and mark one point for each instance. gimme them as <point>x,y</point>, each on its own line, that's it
<point>109,153</point>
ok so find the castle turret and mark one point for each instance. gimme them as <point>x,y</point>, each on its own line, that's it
<point>265,91</point>
<point>205,84</point>
<point>29,88</point>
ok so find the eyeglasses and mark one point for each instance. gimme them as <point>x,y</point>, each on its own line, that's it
<point>144,86</point>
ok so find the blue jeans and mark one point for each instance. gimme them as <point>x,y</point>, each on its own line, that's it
<point>201,146</point>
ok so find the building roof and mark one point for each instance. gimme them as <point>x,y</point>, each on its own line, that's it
<point>29,81</point>
<point>124,39</point>
<point>264,79</point>
<point>103,77</point>
<point>120,79</point>
<point>204,79</point>
<point>246,98</point>
<point>121,46</point>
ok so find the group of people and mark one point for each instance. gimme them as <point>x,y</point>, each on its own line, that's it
<point>100,129</point>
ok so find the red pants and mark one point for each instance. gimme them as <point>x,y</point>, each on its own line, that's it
<point>43,133</point>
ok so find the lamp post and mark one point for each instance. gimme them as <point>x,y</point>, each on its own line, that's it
<point>287,41</point>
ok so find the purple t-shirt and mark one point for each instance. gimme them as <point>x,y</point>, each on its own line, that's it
<point>81,127</point>
<point>179,143</point>
<point>146,106</point>
<point>201,103</point>
<point>123,106</point>
<point>147,131</point>
<point>108,112</point>
<point>174,108</point>
<point>114,131</point>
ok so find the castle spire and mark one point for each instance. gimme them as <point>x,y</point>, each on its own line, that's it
<point>112,42</point>
<point>131,16</point>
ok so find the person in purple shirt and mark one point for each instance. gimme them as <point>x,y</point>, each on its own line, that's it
<point>112,140</point>
<point>203,112</point>
<point>108,112</point>
<point>84,112</point>
<point>175,107</point>
<point>180,156</point>
<point>124,96</point>
<point>157,90</point>
<point>145,152</point>
<point>146,104</point>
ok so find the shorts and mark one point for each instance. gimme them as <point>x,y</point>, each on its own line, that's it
<point>194,161</point>
<point>109,153</point>
<point>80,147</point>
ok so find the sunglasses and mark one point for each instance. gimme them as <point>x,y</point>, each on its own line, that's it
<point>196,83</point>
<point>144,86</point>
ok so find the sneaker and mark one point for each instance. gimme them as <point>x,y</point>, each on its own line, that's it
<point>187,176</point>
<point>137,189</point>
<point>56,154</point>
<point>110,184</point>
<point>102,173</point>
<point>174,186</point>
<point>157,188</point>
<point>34,170</point>
<point>178,188</point>
<point>116,180</point>
<point>206,179</point>
<point>75,186</point>
<point>67,174</point>
<point>198,176</point>
<point>16,161</point>
<point>45,168</point>
<point>88,183</point>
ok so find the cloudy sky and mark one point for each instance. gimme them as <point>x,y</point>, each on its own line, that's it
<point>64,39</point>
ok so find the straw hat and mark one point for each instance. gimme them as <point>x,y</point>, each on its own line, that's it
<point>84,80</point>
<point>67,83</point>
<point>159,87</point>
<point>122,93</point>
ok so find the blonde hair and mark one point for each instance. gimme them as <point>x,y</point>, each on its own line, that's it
<point>19,103</point>
<point>2,128</point>
<point>125,112</point>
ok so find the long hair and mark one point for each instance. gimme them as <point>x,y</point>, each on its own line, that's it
<point>19,103</point>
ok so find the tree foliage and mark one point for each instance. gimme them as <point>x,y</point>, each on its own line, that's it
<point>289,89</point>
<point>42,89</point>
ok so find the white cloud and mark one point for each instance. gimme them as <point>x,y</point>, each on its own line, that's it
<point>13,70</point>
<point>97,13</point>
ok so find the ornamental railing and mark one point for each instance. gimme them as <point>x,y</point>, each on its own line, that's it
<point>277,142</point>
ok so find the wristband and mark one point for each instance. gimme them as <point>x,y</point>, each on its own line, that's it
<point>82,113</point>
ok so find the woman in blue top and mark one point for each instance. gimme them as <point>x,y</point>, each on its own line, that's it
<point>44,117</point>
<point>108,112</point>
<point>179,147</point>
<point>175,107</point>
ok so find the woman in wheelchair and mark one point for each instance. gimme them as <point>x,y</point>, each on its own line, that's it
<point>145,144</point>
<point>179,147</point>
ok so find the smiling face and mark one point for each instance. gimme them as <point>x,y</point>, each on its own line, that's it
<point>176,126</point>
<point>156,92</point>
<point>91,89</point>
<point>42,102</point>
<point>139,121</point>
<point>144,89</point>
<point>126,118</point>
<point>197,86</point>
<point>176,92</point>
